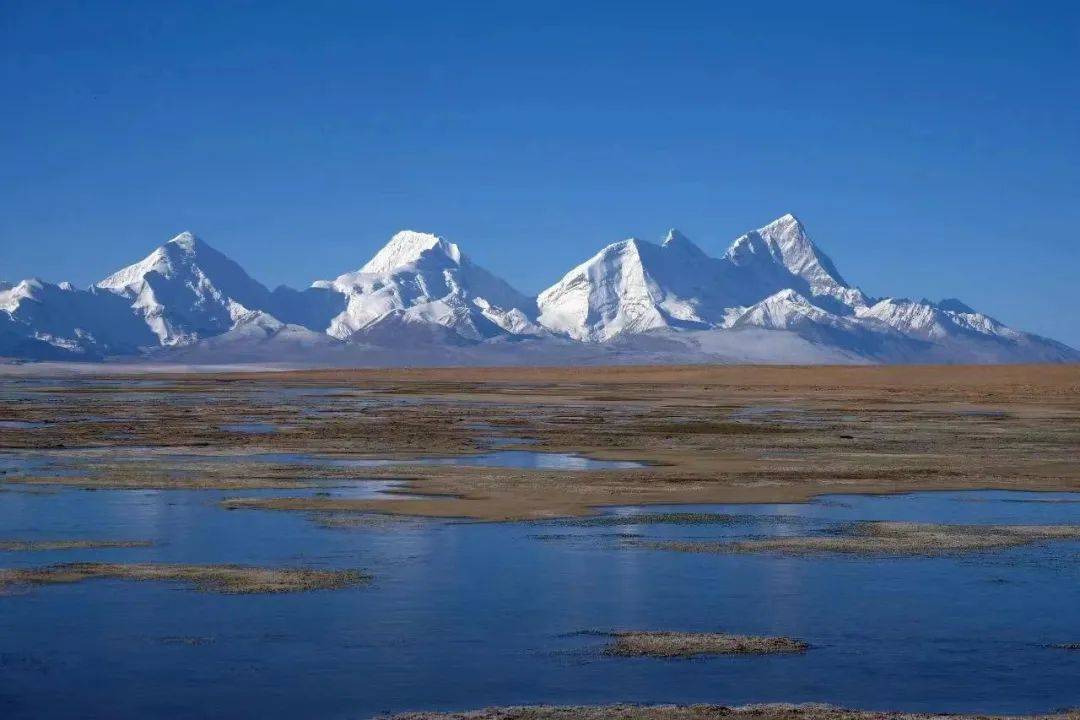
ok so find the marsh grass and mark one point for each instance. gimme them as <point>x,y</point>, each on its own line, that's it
<point>230,579</point>
<point>50,545</point>
<point>663,644</point>
<point>706,427</point>
<point>890,538</point>
<point>699,712</point>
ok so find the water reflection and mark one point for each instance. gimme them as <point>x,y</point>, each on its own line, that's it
<point>466,615</point>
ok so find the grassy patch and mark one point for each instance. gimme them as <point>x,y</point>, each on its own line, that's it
<point>705,427</point>
<point>47,545</point>
<point>696,712</point>
<point>687,644</point>
<point>233,579</point>
<point>891,538</point>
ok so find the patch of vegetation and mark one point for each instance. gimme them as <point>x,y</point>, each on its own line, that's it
<point>890,538</point>
<point>706,427</point>
<point>698,712</point>
<point>233,579</point>
<point>47,545</point>
<point>686,644</point>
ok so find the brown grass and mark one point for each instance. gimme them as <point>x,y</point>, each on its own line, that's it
<point>890,538</point>
<point>701,712</point>
<point>233,579</point>
<point>48,545</point>
<point>684,644</point>
<point>879,430</point>
<point>714,428</point>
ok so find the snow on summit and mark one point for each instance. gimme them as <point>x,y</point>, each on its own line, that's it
<point>773,296</point>
<point>406,248</point>
<point>186,290</point>
<point>419,278</point>
<point>631,286</point>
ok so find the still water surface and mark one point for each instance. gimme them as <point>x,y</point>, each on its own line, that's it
<point>464,615</point>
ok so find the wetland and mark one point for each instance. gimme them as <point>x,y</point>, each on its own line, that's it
<point>354,543</point>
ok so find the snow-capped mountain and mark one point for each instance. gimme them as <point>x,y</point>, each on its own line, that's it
<point>44,320</point>
<point>421,279</point>
<point>634,287</point>
<point>774,278</point>
<point>773,296</point>
<point>781,256</point>
<point>186,290</point>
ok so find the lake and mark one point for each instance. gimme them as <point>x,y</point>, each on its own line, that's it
<point>463,615</point>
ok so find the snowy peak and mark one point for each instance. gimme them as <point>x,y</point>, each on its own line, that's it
<point>607,294</point>
<point>634,286</point>
<point>676,241</point>
<point>166,261</point>
<point>409,247</point>
<point>12,295</point>
<point>185,241</point>
<point>420,278</point>
<point>791,245</point>
<point>186,290</point>
<point>46,319</point>
<point>936,321</point>
<point>185,257</point>
<point>785,310</point>
<point>786,242</point>
<point>773,289</point>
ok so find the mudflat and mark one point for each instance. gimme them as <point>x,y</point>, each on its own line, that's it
<point>704,434</point>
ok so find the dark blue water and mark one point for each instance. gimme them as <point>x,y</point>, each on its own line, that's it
<point>468,615</point>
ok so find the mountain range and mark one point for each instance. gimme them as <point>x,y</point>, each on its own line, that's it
<point>773,296</point>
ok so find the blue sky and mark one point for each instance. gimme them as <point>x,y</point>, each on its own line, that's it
<point>933,149</point>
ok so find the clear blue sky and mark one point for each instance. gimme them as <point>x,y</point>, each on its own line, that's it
<point>931,148</point>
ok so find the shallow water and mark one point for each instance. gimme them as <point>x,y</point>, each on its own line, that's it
<point>528,459</point>
<point>465,615</point>
<point>20,424</point>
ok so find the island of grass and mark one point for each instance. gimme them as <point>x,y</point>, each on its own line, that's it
<point>52,545</point>
<point>890,538</point>
<point>664,644</point>
<point>702,712</point>
<point>231,579</point>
